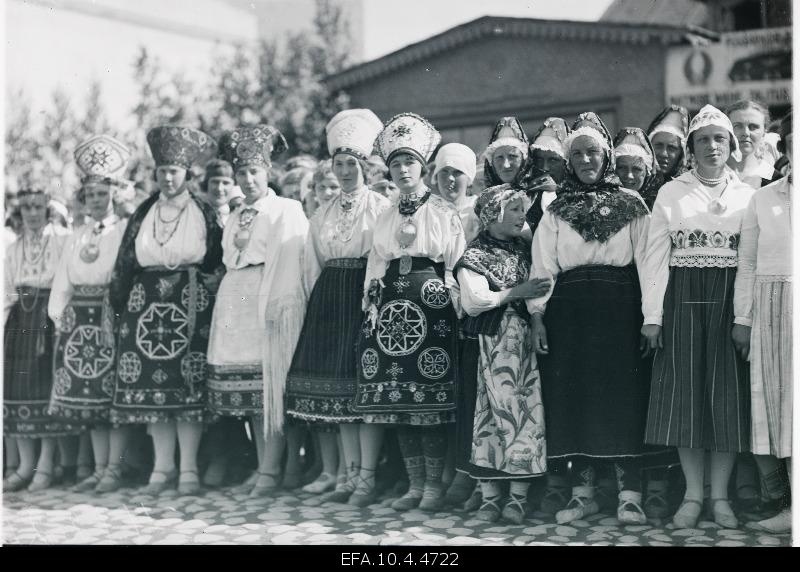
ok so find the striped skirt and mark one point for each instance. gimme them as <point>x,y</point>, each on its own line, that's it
<point>321,384</point>
<point>84,359</point>
<point>700,390</point>
<point>28,369</point>
<point>235,378</point>
<point>593,387</point>
<point>771,367</point>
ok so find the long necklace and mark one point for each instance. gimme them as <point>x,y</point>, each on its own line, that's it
<point>37,259</point>
<point>407,231</point>
<point>175,220</point>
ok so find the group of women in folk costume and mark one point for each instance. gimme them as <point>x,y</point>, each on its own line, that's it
<point>515,325</point>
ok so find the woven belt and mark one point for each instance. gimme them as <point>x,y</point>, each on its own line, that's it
<point>346,263</point>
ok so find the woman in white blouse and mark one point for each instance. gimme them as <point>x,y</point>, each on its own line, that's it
<point>80,308</point>
<point>321,385</point>
<point>699,398</point>
<point>407,352</point>
<point>763,333</point>
<point>261,301</point>
<point>756,166</point>
<point>30,264</point>
<point>158,291</point>
<point>591,241</point>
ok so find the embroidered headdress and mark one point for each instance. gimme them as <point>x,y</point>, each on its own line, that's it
<point>600,209</point>
<point>251,145</point>
<point>103,159</point>
<point>710,115</point>
<point>407,133</point>
<point>181,146</point>
<point>552,136</point>
<point>673,120</point>
<point>353,131</point>
<point>632,142</point>
<point>590,125</point>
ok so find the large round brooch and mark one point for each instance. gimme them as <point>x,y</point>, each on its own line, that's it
<point>716,207</point>
<point>241,239</point>
<point>89,253</point>
<point>407,234</point>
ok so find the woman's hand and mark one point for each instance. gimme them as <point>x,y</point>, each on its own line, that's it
<point>535,288</point>
<point>651,339</point>
<point>741,339</point>
<point>539,335</point>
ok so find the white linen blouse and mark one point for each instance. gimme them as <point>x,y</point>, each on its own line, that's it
<point>557,247</point>
<point>29,263</point>
<point>685,233</point>
<point>73,271</point>
<point>765,246</point>
<point>440,237</point>
<point>188,243</point>
<point>337,233</point>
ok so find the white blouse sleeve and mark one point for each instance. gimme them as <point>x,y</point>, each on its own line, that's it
<point>10,291</point>
<point>311,260</point>
<point>656,264</point>
<point>476,296</point>
<point>544,257</point>
<point>746,270</point>
<point>61,290</point>
<point>453,250</point>
<point>639,228</point>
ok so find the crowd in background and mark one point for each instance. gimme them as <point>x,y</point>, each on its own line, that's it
<point>571,322</point>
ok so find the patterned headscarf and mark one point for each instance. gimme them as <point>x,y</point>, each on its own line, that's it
<point>504,263</point>
<point>596,210</point>
<point>491,205</point>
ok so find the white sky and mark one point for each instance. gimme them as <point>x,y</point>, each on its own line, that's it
<point>47,46</point>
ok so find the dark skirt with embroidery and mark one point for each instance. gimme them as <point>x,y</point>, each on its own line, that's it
<point>161,350</point>
<point>407,365</point>
<point>235,367</point>
<point>321,384</point>
<point>700,396</point>
<point>28,369</point>
<point>594,386</point>
<point>83,369</point>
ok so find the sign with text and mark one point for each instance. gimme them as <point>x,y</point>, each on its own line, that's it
<point>754,64</point>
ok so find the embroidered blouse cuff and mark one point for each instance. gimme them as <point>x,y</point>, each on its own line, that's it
<point>653,321</point>
<point>743,321</point>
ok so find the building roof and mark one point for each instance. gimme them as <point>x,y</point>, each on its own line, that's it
<point>493,26</point>
<point>673,13</point>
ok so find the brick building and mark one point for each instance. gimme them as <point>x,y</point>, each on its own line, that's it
<point>464,79</point>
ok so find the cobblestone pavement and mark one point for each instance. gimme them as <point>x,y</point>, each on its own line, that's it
<point>59,516</point>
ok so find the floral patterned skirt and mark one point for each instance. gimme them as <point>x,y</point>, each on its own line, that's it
<point>28,369</point>
<point>321,384</point>
<point>407,364</point>
<point>84,360</point>
<point>508,434</point>
<point>235,370</point>
<point>161,350</point>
